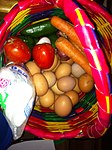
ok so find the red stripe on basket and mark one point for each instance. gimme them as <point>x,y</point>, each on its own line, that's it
<point>26,3</point>
<point>7,21</point>
<point>98,127</point>
<point>36,9</point>
<point>50,135</point>
<point>36,121</point>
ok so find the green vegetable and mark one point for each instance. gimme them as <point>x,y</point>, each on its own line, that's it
<point>53,37</point>
<point>39,29</point>
<point>29,40</point>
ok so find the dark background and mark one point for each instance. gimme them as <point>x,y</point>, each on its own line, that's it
<point>103,143</point>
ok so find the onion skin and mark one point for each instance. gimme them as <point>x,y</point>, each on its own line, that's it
<point>63,56</point>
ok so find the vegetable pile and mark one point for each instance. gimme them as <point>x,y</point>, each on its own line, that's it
<point>53,55</point>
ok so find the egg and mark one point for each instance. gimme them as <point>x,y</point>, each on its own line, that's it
<point>86,83</point>
<point>74,96</point>
<point>63,69</point>
<point>77,70</point>
<point>54,64</point>
<point>58,63</point>
<point>47,100</point>
<point>56,90</point>
<point>63,105</point>
<point>76,88</point>
<point>51,78</point>
<point>32,67</point>
<point>52,106</point>
<point>66,83</point>
<point>40,83</point>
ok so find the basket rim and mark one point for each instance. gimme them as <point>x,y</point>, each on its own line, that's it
<point>94,54</point>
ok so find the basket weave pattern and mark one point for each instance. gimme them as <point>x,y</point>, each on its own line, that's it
<point>91,117</point>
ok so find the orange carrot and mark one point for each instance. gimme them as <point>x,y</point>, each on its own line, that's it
<point>65,46</point>
<point>67,28</point>
<point>77,47</point>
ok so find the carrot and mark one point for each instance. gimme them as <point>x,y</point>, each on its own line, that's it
<point>65,46</point>
<point>77,47</point>
<point>67,28</point>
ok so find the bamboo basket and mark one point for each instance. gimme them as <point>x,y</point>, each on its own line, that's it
<point>91,117</point>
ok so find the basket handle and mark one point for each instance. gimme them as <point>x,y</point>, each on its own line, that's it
<point>96,8</point>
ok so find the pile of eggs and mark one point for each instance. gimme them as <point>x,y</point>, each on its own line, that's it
<point>58,87</point>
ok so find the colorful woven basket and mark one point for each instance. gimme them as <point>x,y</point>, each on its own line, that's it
<point>91,117</point>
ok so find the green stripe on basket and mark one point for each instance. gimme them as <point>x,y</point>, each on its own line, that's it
<point>21,25</point>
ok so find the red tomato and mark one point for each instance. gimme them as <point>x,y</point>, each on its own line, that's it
<point>43,55</point>
<point>16,50</point>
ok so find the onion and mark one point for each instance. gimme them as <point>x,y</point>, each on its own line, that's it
<point>63,56</point>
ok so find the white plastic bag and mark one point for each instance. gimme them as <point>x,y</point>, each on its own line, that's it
<point>17,95</point>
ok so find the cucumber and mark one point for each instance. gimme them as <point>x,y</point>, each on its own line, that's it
<point>42,28</point>
<point>53,37</point>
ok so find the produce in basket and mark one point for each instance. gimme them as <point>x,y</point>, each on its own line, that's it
<point>65,46</point>
<point>43,55</point>
<point>66,28</point>
<point>16,50</point>
<point>90,117</point>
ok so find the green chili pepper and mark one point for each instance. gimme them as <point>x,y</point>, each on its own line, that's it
<point>42,28</point>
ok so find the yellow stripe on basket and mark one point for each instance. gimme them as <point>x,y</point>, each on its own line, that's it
<point>40,20</point>
<point>94,108</point>
<point>105,31</point>
<point>102,25</point>
<point>108,104</point>
<point>19,18</point>
<point>57,126</point>
<point>96,60</point>
<point>80,17</point>
<point>104,131</point>
<point>105,25</point>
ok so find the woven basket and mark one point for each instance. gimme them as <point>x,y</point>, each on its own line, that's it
<point>91,117</point>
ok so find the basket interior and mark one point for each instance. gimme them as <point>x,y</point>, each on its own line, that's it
<point>44,120</point>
